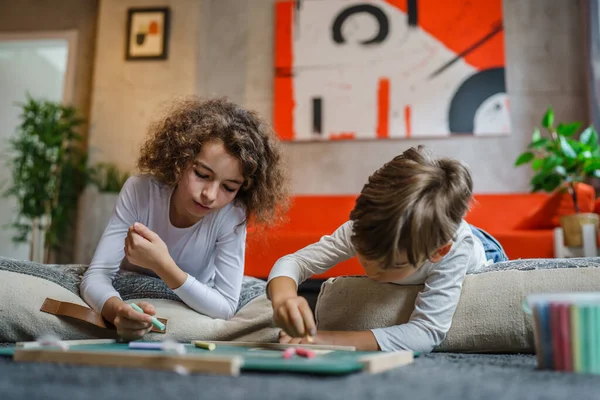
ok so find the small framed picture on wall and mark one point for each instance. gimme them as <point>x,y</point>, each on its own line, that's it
<point>147,33</point>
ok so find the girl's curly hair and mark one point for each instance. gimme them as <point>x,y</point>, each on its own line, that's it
<point>174,142</point>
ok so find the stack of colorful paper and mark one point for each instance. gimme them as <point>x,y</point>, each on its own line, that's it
<point>567,331</point>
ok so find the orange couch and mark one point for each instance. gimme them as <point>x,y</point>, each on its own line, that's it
<point>311,217</point>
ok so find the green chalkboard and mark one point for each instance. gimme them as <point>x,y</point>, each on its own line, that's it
<point>254,359</point>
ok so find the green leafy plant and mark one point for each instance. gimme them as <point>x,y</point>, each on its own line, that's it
<point>108,178</point>
<point>49,171</point>
<point>558,159</point>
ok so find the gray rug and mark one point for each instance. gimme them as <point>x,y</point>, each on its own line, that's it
<point>433,376</point>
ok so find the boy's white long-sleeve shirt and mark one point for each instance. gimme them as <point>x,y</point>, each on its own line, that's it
<point>211,251</point>
<point>435,304</point>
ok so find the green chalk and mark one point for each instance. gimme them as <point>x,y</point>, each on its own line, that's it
<point>155,322</point>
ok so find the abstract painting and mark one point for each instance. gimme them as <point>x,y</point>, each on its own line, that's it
<point>147,33</point>
<point>382,69</point>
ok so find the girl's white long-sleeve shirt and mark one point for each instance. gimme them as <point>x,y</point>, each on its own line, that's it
<point>435,304</point>
<point>211,251</point>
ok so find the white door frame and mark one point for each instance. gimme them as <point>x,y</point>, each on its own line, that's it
<point>71,37</point>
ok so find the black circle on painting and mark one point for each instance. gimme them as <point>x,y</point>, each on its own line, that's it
<point>382,21</point>
<point>470,96</point>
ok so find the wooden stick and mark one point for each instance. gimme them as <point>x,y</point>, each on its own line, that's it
<point>34,345</point>
<point>376,363</point>
<point>208,364</point>
<point>278,346</point>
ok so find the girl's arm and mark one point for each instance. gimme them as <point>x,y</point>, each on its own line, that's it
<point>96,286</point>
<point>434,307</point>
<point>221,300</point>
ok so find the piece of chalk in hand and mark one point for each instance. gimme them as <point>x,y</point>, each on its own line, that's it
<point>155,322</point>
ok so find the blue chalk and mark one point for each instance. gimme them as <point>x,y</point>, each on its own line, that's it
<point>145,345</point>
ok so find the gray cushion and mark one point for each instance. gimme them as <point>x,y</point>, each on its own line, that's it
<point>489,315</point>
<point>25,285</point>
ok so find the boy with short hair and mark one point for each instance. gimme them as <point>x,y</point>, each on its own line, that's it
<point>407,227</point>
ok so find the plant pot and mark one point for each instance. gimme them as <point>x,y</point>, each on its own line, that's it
<point>571,225</point>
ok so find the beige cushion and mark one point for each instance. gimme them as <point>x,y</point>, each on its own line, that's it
<point>489,316</point>
<point>21,297</point>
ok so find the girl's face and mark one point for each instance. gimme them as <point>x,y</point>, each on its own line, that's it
<point>209,184</point>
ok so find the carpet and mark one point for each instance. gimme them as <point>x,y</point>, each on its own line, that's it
<point>431,376</point>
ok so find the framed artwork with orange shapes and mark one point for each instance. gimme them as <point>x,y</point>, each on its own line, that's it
<point>147,33</point>
<point>389,69</point>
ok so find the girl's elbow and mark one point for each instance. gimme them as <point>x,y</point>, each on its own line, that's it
<point>225,314</point>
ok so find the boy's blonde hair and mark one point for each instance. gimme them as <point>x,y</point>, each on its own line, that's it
<point>412,204</point>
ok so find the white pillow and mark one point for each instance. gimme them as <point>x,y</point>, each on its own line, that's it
<point>22,295</point>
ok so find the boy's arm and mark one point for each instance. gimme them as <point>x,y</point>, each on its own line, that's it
<point>281,288</point>
<point>290,311</point>
<point>311,260</point>
<point>434,307</point>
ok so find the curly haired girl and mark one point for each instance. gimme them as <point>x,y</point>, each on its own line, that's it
<point>207,169</point>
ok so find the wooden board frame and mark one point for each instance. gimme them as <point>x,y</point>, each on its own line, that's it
<point>193,363</point>
<point>230,365</point>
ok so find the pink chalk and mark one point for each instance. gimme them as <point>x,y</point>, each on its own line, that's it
<point>305,352</point>
<point>289,353</point>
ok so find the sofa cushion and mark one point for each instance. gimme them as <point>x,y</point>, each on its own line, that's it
<point>489,316</point>
<point>503,212</point>
<point>533,243</point>
<point>24,286</point>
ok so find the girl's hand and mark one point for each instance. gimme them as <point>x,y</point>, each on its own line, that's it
<point>131,324</point>
<point>295,317</point>
<point>145,248</point>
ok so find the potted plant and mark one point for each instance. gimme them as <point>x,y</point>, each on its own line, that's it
<point>559,162</point>
<point>108,178</point>
<point>49,171</point>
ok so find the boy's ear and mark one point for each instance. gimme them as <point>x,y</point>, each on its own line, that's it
<point>440,253</point>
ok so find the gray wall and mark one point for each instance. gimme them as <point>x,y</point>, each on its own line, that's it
<point>225,47</point>
<point>38,15</point>
<point>128,95</point>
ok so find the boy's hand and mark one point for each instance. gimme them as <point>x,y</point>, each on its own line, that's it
<point>360,340</point>
<point>145,248</point>
<point>322,337</point>
<point>295,317</point>
<point>131,324</point>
